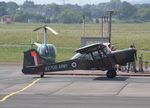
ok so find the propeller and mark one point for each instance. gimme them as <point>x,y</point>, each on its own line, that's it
<point>50,29</point>
<point>37,44</point>
<point>37,29</point>
<point>45,27</point>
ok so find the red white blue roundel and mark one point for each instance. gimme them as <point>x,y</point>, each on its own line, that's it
<point>74,64</point>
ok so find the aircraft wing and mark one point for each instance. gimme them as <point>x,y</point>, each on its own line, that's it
<point>90,48</point>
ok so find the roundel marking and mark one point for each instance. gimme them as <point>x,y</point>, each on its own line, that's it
<point>74,64</point>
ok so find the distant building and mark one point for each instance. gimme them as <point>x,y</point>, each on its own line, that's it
<point>6,19</point>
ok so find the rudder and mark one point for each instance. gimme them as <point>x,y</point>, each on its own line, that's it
<point>31,58</point>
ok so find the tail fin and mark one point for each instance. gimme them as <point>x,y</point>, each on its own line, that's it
<point>31,58</point>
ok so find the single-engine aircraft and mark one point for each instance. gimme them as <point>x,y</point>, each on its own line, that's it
<point>96,56</point>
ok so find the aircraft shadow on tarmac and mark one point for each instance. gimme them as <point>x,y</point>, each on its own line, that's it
<point>43,77</point>
<point>112,79</point>
<point>97,79</point>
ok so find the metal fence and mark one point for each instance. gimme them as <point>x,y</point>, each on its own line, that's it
<point>90,40</point>
<point>144,63</point>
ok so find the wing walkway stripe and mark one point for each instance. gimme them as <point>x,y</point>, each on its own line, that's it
<point>19,91</point>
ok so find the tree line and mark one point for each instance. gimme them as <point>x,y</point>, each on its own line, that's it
<point>68,13</point>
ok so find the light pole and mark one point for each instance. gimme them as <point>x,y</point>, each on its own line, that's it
<point>110,13</point>
<point>83,25</point>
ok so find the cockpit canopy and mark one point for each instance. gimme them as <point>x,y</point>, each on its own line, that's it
<point>92,52</point>
<point>48,53</point>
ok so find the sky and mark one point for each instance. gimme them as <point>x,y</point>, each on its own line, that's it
<point>79,2</point>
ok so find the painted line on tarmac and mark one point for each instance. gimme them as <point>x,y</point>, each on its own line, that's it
<point>19,91</point>
<point>98,74</point>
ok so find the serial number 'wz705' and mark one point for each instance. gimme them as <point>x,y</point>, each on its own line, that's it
<point>56,67</point>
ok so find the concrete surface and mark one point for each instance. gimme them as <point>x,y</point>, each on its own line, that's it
<point>71,91</point>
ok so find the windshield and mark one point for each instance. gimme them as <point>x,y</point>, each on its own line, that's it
<point>107,50</point>
<point>82,56</point>
<point>76,56</point>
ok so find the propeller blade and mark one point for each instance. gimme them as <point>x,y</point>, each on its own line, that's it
<point>37,29</point>
<point>53,31</point>
<point>37,44</point>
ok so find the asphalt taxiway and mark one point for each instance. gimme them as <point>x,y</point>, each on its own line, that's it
<point>71,91</point>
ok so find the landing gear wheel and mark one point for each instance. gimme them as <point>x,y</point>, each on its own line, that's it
<point>42,75</point>
<point>111,73</point>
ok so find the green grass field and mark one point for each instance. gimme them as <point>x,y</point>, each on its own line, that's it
<point>123,35</point>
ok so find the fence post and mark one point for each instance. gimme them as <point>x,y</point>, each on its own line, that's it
<point>141,63</point>
<point>146,64</point>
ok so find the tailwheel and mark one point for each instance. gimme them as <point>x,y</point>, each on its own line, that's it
<point>42,75</point>
<point>111,73</point>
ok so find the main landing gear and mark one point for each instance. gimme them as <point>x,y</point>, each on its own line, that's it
<point>111,73</point>
<point>42,75</point>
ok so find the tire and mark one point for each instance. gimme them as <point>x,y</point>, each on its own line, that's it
<point>111,73</point>
<point>42,75</point>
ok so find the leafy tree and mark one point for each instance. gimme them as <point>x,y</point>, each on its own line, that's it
<point>12,8</point>
<point>127,11</point>
<point>26,17</point>
<point>3,8</point>
<point>28,4</point>
<point>52,11</point>
<point>70,16</point>
<point>96,12</point>
<point>87,11</point>
<point>144,14</point>
<point>73,13</point>
<point>114,5</point>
